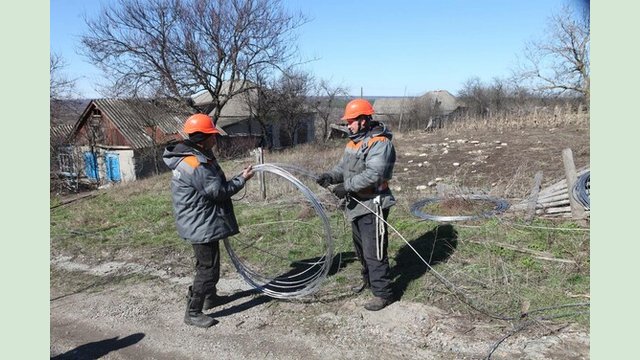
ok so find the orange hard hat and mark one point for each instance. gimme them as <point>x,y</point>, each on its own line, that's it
<point>200,123</point>
<point>356,108</point>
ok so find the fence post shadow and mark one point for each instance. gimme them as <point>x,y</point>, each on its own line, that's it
<point>434,246</point>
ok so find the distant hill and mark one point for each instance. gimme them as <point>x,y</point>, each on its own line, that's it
<point>67,112</point>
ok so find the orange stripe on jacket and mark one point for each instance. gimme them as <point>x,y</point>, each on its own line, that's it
<point>376,139</point>
<point>354,146</point>
<point>191,161</point>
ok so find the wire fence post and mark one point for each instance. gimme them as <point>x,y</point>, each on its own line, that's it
<point>260,161</point>
<point>577,210</point>
<point>533,198</point>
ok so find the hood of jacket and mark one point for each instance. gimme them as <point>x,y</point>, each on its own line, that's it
<point>175,152</point>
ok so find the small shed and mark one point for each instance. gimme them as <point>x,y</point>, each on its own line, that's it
<point>121,140</point>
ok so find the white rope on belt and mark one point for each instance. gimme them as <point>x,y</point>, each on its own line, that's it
<point>380,228</point>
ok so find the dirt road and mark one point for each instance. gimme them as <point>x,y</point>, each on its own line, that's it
<point>124,310</point>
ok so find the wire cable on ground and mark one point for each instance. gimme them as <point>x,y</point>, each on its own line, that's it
<point>459,293</point>
<point>307,280</point>
<point>500,207</point>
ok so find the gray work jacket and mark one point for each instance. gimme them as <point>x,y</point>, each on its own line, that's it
<point>201,195</point>
<point>366,168</point>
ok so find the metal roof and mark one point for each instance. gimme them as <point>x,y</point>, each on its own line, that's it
<point>448,102</point>
<point>396,106</point>
<point>59,133</point>
<point>392,106</point>
<point>236,107</point>
<point>133,117</point>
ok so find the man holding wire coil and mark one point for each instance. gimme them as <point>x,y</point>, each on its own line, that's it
<point>203,210</point>
<point>362,177</point>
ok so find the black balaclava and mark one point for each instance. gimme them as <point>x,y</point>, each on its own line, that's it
<point>198,139</point>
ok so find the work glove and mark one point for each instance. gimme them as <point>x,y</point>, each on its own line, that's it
<point>339,191</point>
<point>324,180</point>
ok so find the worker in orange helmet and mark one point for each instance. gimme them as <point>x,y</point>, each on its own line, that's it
<point>362,177</point>
<point>203,209</point>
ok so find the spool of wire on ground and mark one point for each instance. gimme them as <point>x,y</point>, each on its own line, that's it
<point>582,188</point>
<point>500,207</point>
<point>308,276</point>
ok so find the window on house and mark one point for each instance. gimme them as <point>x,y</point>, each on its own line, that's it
<point>66,164</point>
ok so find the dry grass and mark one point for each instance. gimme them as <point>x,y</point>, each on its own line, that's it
<point>543,119</point>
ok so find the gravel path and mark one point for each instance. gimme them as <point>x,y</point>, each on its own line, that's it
<point>122,310</point>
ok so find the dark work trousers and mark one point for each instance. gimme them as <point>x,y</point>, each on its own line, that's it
<point>207,268</point>
<point>374,271</point>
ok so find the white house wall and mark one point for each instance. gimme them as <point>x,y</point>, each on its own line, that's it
<point>127,165</point>
<point>125,159</point>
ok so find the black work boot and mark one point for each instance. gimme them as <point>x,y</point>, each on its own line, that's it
<point>193,315</point>
<point>360,287</point>
<point>213,300</point>
<point>377,303</point>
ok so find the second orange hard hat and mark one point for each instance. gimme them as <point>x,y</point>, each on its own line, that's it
<point>356,108</point>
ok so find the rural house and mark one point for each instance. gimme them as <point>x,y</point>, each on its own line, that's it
<point>245,132</point>
<point>423,112</point>
<point>118,140</point>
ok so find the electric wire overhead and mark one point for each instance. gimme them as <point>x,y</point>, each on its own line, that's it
<point>310,275</point>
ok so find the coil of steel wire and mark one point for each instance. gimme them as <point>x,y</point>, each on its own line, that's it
<point>309,274</point>
<point>500,207</point>
<point>582,188</point>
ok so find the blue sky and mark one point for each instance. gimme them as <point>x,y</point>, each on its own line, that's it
<point>385,48</point>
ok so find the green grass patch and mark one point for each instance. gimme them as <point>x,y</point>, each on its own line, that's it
<point>498,263</point>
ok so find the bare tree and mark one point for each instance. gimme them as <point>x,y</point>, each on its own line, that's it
<point>260,103</point>
<point>476,96</point>
<point>324,100</point>
<point>498,95</point>
<point>60,85</point>
<point>560,64</point>
<point>420,113</point>
<point>290,104</point>
<point>175,48</point>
